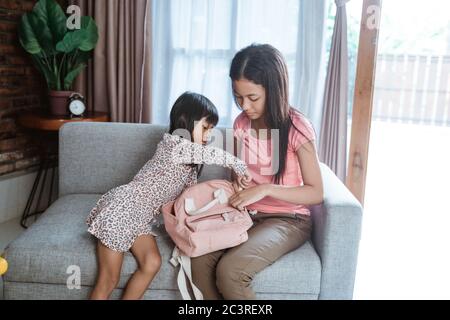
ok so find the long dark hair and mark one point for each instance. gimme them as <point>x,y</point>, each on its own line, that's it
<point>189,108</point>
<point>264,65</point>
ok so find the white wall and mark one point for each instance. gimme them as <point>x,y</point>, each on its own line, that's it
<point>15,189</point>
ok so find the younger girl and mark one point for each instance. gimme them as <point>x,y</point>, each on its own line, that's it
<point>123,218</point>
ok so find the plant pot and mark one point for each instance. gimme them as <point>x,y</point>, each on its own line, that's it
<point>58,101</point>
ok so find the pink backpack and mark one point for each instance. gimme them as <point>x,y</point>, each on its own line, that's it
<point>201,221</point>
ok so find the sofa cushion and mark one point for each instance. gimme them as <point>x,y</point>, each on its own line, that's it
<point>59,240</point>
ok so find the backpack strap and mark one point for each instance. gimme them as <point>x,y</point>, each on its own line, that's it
<point>185,271</point>
<point>220,197</point>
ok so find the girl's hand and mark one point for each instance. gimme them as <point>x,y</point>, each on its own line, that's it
<point>249,196</point>
<point>243,182</point>
<point>236,187</point>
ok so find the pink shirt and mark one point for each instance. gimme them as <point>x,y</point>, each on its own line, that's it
<point>257,153</point>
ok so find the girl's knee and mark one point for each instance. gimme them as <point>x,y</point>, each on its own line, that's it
<point>108,280</point>
<point>151,263</point>
<point>226,273</point>
<point>231,280</point>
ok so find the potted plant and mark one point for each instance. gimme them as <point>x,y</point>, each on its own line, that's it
<point>60,54</point>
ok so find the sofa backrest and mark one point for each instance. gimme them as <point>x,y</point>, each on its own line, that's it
<point>95,157</point>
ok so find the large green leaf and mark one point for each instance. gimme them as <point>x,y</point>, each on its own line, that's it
<point>53,16</point>
<point>34,35</point>
<point>42,32</point>
<point>72,40</point>
<point>27,36</point>
<point>70,77</point>
<point>84,39</point>
<point>90,41</point>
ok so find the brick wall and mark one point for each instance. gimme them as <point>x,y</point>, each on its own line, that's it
<point>22,88</point>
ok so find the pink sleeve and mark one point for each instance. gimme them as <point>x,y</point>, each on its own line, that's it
<point>304,134</point>
<point>238,126</point>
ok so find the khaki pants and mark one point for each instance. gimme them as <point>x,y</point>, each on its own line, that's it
<point>229,273</point>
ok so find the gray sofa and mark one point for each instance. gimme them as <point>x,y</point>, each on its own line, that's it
<point>95,157</point>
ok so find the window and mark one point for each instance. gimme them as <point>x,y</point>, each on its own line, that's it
<point>195,41</point>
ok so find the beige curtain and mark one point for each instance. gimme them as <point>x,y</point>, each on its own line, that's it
<point>118,78</point>
<point>333,136</point>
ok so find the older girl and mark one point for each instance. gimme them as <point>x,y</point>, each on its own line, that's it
<point>278,144</point>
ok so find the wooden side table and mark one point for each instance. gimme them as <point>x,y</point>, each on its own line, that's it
<point>49,126</point>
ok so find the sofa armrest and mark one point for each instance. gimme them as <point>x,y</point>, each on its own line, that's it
<point>336,235</point>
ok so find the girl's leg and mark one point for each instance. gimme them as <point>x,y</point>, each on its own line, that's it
<point>204,274</point>
<point>268,240</point>
<point>146,252</point>
<point>109,266</point>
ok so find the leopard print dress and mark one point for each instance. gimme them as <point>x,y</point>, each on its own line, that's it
<point>128,211</point>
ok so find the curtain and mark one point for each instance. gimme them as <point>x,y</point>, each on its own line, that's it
<point>311,60</point>
<point>194,42</point>
<point>333,142</point>
<point>118,78</point>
